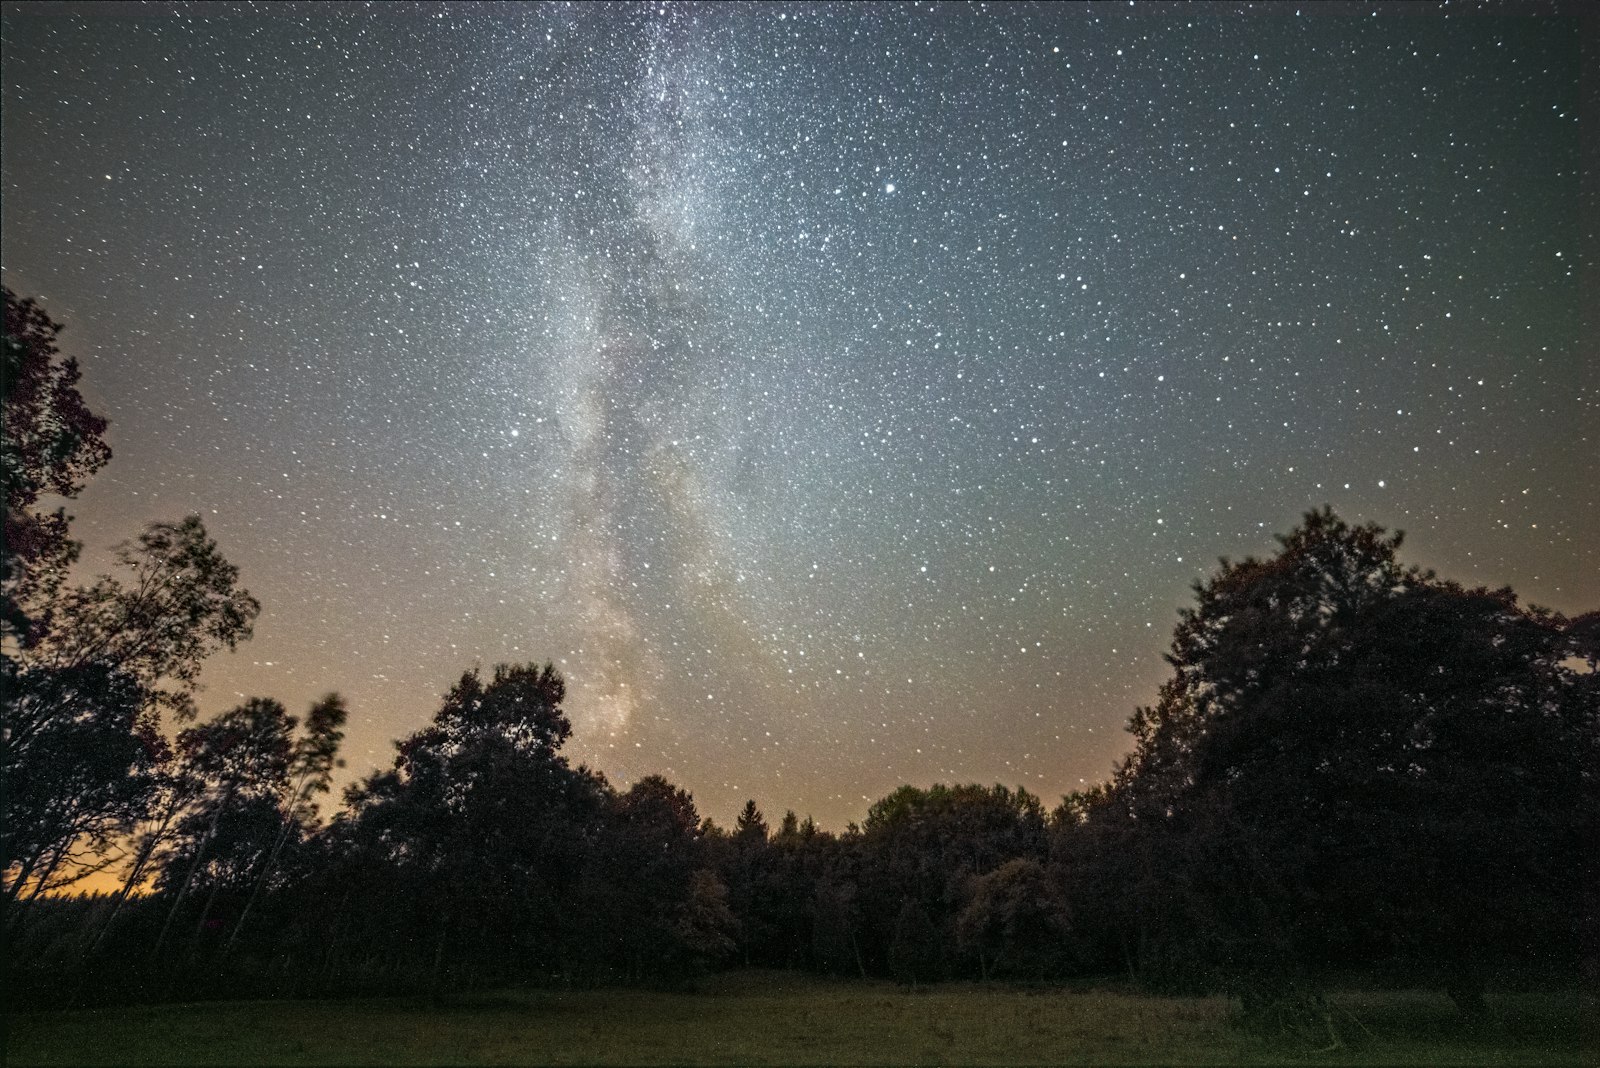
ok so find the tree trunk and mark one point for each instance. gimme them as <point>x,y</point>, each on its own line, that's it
<point>255,891</point>
<point>330,955</point>
<point>299,795</point>
<point>188,880</point>
<point>438,959</point>
<point>50,869</point>
<point>22,878</point>
<point>21,905</point>
<point>205,913</point>
<point>22,908</point>
<point>135,873</point>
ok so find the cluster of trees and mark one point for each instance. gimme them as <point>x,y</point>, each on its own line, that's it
<point>1354,766</point>
<point>1357,764</point>
<point>91,673</point>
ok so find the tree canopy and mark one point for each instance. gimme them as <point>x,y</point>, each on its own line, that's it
<point>50,443</point>
<point>1373,762</point>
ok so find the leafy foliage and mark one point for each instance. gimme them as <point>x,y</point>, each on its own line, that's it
<point>50,443</point>
<point>82,717</point>
<point>1357,761</point>
<point>475,841</point>
<point>1015,921</point>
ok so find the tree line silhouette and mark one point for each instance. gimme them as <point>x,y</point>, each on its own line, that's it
<point>1355,767</point>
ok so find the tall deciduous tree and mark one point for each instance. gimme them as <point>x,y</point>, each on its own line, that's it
<point>1015,921</point>
<point>87,671</point>
<point>480,831</point>
<point>241,759</point>
<point>313,756</point>
<point>924,845</point>
<point>658,911</point>
<point>84,696</point>
<point>1256,625</point>
<point>178,601</point>
<point>1355,760</point>
<point>74,779</point>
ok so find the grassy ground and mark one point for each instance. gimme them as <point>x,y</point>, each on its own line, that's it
<point>759,1018</point>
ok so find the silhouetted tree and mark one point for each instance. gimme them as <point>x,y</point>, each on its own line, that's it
<point>799,856</point>
<point>312,758</point>
<point>50,443</point>
<point>1356,761</point>
<point>241,760</point>
<point>103,662</point>
<point>836,918</point>
<point>924,845</point>
<point>477,839</point>
<point>751,825</point>
<point>746,870</point>
<point>659,911</point>
<point>1256,625</point>
<point>77,760</point>
<point>1106,864</point>
<point>87,671</point>
<point>1015,921</point>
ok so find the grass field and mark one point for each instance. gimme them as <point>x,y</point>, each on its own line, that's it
<point>764,1018</point>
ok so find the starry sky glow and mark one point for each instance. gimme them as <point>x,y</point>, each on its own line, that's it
<point>841,396</point>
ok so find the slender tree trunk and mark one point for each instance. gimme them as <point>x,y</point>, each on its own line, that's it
<point>438,958</point>
<point>255,891</point>
<point>205,913</point>
<point>330,955</point>
<point>50,869</point>
<point>135,873</point>
<point>44,879</point>
<point>188,880</point>
<point>1335,1040</point>
<point>177,903</point>
<point>22,878</point>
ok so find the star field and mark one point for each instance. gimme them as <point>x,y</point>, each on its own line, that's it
<point>840,396</point>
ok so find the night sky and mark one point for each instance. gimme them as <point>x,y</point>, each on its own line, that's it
<point>840,396</point>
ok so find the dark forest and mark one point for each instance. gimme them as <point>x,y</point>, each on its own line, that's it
<point>1355,768</point>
